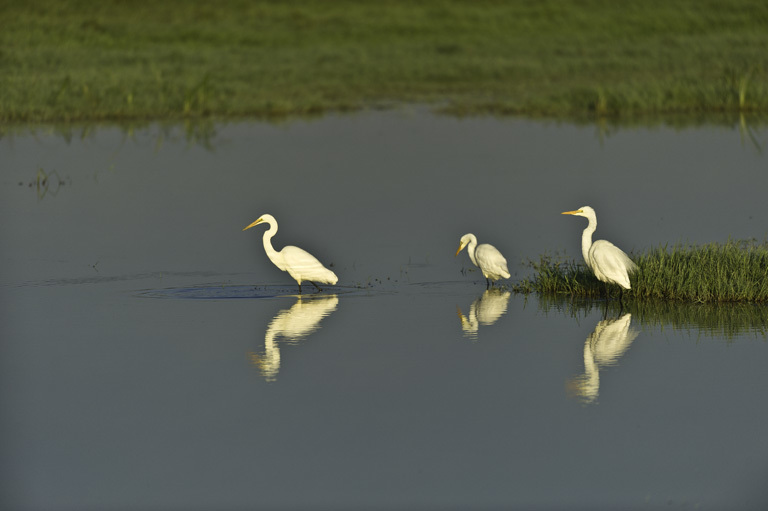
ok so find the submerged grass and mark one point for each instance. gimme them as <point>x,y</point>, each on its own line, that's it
<point>192,58</point>
<point>735,271</point>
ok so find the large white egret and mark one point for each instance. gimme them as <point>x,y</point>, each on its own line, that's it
<point>486,257</point>
<point>300,264</point>
<point>607,261</point>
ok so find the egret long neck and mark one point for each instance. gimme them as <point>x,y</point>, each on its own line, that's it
<point>471,250</point>
<point>273,254</point>
<point>586,239</point>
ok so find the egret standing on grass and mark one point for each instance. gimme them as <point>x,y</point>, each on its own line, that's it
<point>300,264</point>
<point>607,261</point>
<point>486,257</point>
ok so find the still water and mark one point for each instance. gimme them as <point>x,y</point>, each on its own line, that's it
<point>153,358</point>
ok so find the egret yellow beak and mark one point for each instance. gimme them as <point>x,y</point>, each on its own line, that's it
<point>459,250</point>
<point>571,212</point>
<point>254,223</point>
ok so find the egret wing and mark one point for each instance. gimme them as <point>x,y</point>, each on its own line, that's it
<point>610,263</point>
<point>304,266</point>
<point>491,261</point>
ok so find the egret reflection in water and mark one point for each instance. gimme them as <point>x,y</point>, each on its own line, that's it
<point>486,310</point>
<point>602,348</point>
<point>293,325</point>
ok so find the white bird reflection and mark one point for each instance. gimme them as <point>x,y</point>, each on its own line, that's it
<point>602,348</point>
<point>293,325</point>
<point>486,310</point>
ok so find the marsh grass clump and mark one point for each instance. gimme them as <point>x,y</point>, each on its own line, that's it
<point>735,271</point>
<point>556,276</point>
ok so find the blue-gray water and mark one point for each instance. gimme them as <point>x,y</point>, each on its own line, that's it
<point>153,358</point>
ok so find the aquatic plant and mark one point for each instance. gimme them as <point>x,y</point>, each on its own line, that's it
<point>735,271</point>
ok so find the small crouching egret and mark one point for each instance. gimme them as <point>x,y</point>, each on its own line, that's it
<point>300,264</point>
<point>607,261</point>
<point>486,257</point>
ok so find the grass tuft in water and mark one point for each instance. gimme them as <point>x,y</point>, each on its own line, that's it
<point>554,276</point>
<point>735,271</point>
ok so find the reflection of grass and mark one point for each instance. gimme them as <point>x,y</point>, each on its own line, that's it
<point>195,58</point>
<point>201,132</point>
<point>729,272</point>
<point>715,320</point>
<point>722,320</point>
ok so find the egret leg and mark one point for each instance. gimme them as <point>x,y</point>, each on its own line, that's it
<point>316,286</point>
<point>487,283</point>
<point>299,287</point>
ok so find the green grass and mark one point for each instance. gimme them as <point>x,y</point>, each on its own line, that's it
<point>736,271</point>
<point>84,60</point>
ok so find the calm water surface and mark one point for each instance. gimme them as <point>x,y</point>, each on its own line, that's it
<point>153,358</point>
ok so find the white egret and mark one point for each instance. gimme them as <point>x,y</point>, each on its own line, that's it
<point>300,264</point>
<point>486,257</point>
<point>607,261</point>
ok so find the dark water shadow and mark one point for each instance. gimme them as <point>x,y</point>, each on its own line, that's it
<point>205,132</point>
<point>234,292</point>
<point>724,320</point>
<point>239,292</point>
<point>194,132</point>
<point>111,279</point>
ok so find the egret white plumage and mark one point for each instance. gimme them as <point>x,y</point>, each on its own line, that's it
<point>607,261</point>
<point>300,264</point>
<point>486,257</point>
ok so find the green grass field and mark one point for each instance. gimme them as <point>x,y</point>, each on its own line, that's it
<point>735,272</point>
<point>175,59</point>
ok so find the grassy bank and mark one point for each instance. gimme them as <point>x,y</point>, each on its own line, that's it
<point>189,59</point>
<point>715,273</point>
